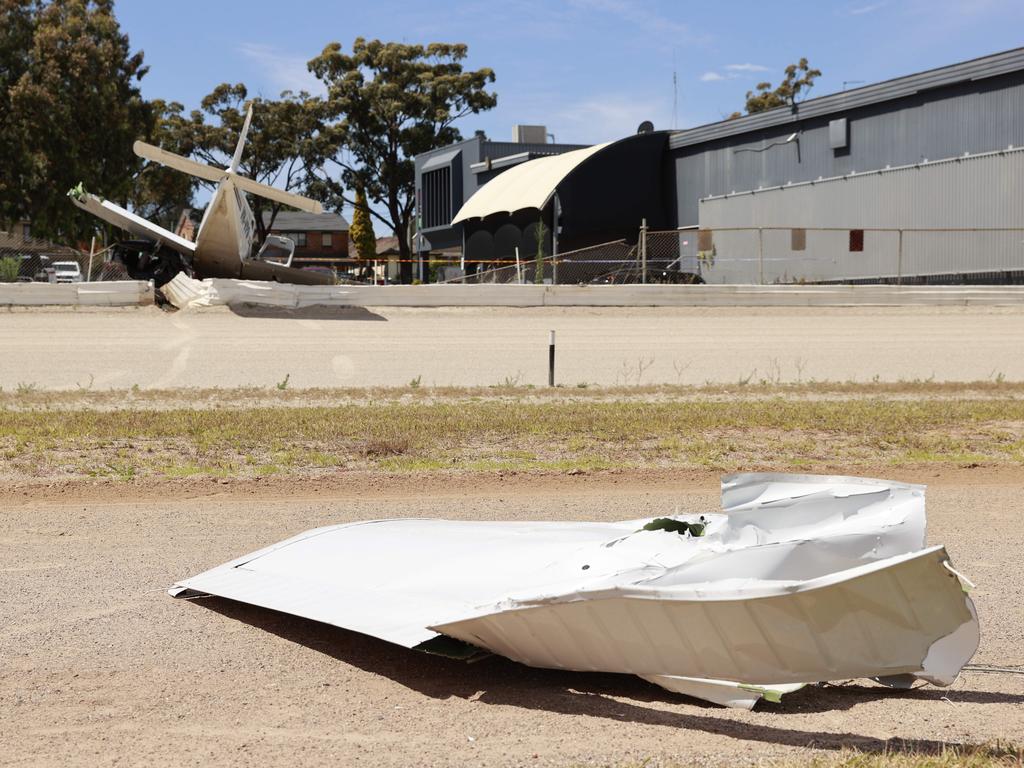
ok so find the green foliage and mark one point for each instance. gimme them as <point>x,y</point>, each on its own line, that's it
<point>159,193</point>
<point>70,110</point>
<point>538,262</point>
<point>799,78</point>
<point>283,147</point>
<point>386,103</point>
<point>9,269</point>
<point>361,230</point>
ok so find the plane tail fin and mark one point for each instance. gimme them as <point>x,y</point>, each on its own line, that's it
<point>237,158</point>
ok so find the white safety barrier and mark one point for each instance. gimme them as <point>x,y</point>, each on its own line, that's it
<point>119,293</point>
<point>183,292</point>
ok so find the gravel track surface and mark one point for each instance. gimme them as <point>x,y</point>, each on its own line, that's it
<point>484,346</point>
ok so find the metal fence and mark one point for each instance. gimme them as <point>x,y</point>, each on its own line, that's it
<point>828,255</point>
<point>782,255</point>
<point>29,260</point>
<point>655,257</point>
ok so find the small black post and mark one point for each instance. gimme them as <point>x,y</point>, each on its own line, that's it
<point>551,358</point>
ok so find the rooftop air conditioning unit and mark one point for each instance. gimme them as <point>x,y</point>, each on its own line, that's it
<point>530,134</point>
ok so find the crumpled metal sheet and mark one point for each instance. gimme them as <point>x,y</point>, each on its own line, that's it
<point>799,579</point>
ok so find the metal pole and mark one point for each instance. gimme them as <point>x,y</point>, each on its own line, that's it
<point>92,250</point>
<point>519,269</point>
<point>760,255</point>
<point>899,259</point>
<point>551,358</point>
<point>643,250</point>
<point>556,214</point>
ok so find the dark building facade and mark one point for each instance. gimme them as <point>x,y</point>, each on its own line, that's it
<point>959,111</point>
<point>447,177</point>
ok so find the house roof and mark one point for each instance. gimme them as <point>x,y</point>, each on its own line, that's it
<point>975,69</point>
<point>297,221</point>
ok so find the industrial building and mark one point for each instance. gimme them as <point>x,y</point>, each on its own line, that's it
<point>917,178</point>
<point>447,177</point>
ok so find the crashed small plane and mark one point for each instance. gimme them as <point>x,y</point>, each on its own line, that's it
<point>226,241</point>
<point>800,579</point>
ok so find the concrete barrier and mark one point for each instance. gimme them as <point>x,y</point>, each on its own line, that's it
<point>119,293</point>
<point>186,292</point>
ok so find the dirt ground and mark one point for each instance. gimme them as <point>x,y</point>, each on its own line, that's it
<point>487,346</point>
<point>100,666</point>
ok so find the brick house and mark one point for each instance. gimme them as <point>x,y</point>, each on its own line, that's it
<point>320,239</point>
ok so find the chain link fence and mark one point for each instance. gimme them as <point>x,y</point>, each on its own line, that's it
<point>830,255</point>
<point>33,260</point>
<point>783,255</point>
<point>656,257</point>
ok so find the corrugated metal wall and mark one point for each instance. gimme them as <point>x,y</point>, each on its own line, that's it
<point>982,191</point>
<point>978,116</point>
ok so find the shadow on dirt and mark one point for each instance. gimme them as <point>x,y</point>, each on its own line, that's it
<point>319,312</point>
<point>496,680</point>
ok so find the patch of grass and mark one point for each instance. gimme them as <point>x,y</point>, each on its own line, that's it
<point>518,432</point>
<point>951,756</point>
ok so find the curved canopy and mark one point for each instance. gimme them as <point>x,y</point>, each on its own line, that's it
<point>529,185</point>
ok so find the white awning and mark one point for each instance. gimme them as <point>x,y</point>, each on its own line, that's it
<point>529,185</point>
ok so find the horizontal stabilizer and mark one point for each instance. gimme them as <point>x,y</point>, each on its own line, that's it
<point>129,222</point>
<point>209,173</point>
<point>178,163</point>
<point>277,195</point>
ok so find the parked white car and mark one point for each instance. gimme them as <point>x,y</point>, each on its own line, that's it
<point>67,272</point>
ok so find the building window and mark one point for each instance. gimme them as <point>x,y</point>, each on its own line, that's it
<point>437,198</point>
<point>856,240</point>
<point>299,238</point>
<point>798,239</point>
<point>326,240</point>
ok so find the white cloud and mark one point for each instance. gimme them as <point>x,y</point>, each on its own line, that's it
<point>605,117</point>
<point>746,68</point>
<point>711,77</point>
<point>284,71</point>
<point>639,15</point>
<point>862,9</point>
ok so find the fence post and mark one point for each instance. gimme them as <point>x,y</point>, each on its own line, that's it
<point>643,250</point>
<point>899,259</point>
<point>760,255</point>
<point>556,214</point>
<point>92,250</point>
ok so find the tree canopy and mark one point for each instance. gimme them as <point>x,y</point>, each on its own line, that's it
<point>798,78</point>
<point>386,103</point>
<point>70,109</point>
<point>282,146</point>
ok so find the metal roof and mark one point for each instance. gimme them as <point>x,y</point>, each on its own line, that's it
<point>975,69</point>
<point>298,221</point>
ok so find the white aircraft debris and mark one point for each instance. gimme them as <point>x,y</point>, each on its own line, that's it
<point>226,243</point>
<point>800,579</point>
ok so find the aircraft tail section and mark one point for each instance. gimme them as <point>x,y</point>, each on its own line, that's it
<point>217,175</point>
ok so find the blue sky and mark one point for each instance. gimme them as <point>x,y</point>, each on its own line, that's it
<point>591,70</point>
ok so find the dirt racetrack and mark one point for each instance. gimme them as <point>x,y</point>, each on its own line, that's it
<point>486,346</point>
<point>100,666</point>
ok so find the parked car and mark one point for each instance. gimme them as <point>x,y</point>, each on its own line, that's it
<point>67,272</point>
